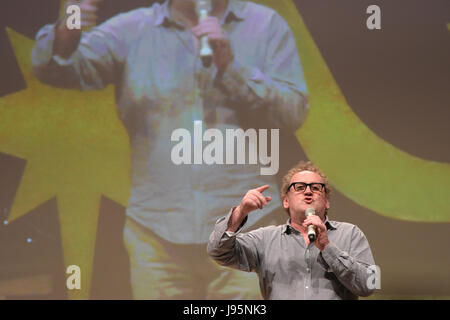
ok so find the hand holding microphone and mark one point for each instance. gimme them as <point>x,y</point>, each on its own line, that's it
<point>203,8</point>
<point>311,230</point>
<point>212,36</point>
<point>317,231</point>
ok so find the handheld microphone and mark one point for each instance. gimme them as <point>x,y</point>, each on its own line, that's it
<point>203,7</point>
<point>311,231</point>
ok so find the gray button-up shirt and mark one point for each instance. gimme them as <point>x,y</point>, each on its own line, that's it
<point>288,269</point>
<point>161,86</point>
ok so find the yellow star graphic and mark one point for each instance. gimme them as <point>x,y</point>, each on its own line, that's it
<point>76,150</point>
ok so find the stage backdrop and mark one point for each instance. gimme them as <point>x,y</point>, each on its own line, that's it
<point>377,126</point>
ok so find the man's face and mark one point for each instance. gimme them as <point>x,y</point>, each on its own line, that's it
<point>297,201</point>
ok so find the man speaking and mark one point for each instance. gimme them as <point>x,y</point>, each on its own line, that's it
<point>336,265</point>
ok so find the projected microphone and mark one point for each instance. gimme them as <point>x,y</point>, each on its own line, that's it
<point>203,7</point>
<point>311,231</point>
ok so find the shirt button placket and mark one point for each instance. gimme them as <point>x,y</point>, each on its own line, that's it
<point>308,275</point>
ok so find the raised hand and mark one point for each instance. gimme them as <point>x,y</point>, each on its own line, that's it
<point>66,40</point>
<point>253,199</point>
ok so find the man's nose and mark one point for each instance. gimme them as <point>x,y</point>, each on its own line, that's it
<point>308,190</point>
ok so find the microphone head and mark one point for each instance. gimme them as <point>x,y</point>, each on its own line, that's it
<point>310,212</point>
<point>203,5</point>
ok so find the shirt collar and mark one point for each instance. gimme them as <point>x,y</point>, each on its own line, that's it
<point>287,228</point>
<point>330,224</point>
<point>234,11</point>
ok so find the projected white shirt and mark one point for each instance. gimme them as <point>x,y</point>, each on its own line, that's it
<point>161,85</point>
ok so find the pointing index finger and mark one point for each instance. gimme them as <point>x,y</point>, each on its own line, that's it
<point>262,188</point>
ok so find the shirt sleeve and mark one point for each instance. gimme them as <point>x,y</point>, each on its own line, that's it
<point>96,62</point>
<point>279,90</point>
<point>353,269</point>
<point>235,249</point>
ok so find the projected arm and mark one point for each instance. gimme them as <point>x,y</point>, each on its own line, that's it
<point>83,60</point>
<point>278,89</point>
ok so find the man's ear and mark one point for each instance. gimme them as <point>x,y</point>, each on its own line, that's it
<point>285,202</point>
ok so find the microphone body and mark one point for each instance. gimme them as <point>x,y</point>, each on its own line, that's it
<point>203,7</point>
<point>311,231</point>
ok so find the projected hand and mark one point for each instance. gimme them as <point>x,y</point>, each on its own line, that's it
<point>66,40</point>
<point>218,39</point>
<point>89,10</point>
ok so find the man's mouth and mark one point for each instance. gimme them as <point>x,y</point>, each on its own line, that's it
<point>308,200</point>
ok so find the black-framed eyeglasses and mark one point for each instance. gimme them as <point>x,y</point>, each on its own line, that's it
<point>301,186</point>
